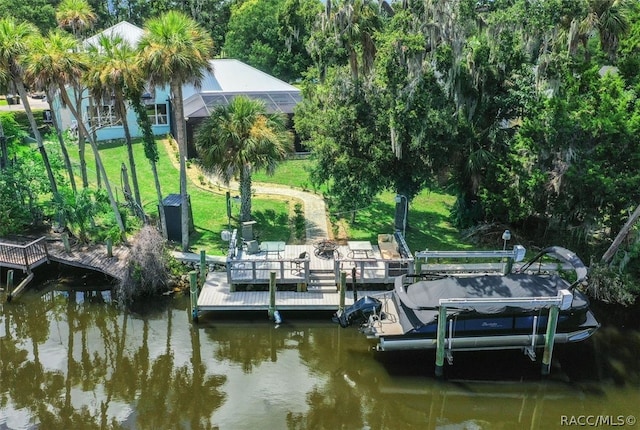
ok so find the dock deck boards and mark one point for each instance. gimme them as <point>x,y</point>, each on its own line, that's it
<point>215,295</point>
<point>254,268</point>
<point>92,257</point>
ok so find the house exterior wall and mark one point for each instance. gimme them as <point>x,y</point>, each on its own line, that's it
<point>158,110</point>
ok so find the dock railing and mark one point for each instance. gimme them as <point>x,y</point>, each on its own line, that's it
<point>288,271</point>
<point>443,260</point>
<point>24,257</point>
<point>374,270</point>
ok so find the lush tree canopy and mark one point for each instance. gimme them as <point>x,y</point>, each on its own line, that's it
<point>526,110</point>
<point>41,13</point>
<point>271,34</point>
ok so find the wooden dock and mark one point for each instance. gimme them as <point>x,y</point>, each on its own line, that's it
<point>306,277</point>
<point>93,257</point>
<point>24,257</point>
<point>33,254</point>
<point>216,295</point>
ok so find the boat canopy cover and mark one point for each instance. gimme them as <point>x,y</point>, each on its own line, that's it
<point>426,295</point>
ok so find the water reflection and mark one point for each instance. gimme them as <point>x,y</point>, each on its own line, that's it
<point>72,360</point>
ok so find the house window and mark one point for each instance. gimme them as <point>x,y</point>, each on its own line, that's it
<point>101,116</point>
<point>157,114</point>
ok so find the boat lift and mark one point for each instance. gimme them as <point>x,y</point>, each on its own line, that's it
<point>516,254</point>
<point>445,344</point>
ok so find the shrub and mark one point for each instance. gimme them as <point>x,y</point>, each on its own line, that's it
<point>148,268</point>
<point>299,222</point>
<point>612,286</point>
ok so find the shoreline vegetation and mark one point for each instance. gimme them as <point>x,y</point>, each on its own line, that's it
<point>429,213</point>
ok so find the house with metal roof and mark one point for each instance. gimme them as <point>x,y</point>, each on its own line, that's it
<point>229,79</point>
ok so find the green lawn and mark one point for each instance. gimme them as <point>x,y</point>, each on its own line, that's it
<point>294,173</point>
<point>428,226</point>
<point>208,204</point>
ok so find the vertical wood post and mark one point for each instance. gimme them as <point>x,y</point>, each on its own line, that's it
<point>440,353</point>
<point>203,266</point>
<point>109,247</point>
<point>343,288</point>
<point>355,286</point>
<point>26,259</point>
<point>65,242</point>
<point>272,294</point>
<point>552,323</point>
<point>9,284</point>
<point>193,290</point>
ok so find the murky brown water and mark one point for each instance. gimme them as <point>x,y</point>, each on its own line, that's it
<point>73,361</point>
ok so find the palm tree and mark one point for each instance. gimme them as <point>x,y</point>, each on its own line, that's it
<point>57,57</point>
<point>76,15</point>
<point>113,69</point>
<point>175,50</point>
<point>607,17</point>
<point>240,138</point>
<point>132,90</point>
<point>14,44</point>
<point>43,81</point>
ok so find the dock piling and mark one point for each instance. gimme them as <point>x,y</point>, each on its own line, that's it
<point>440,352</point>
<point>9,289</point>
<point>203,266</point>
<point>193,290</point>
<point>109,247</point>
<point>418,265</point>
<point>272,294</point>
<point>355,287</point>
<point>343,288</point>
<point>552,324</point>
<point>65,242</point>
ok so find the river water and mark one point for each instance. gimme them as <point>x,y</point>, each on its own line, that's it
<point>73,360</point>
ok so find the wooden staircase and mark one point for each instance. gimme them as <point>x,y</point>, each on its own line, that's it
<point>322,280</point>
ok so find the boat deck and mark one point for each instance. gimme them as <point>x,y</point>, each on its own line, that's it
<point>390,325</point>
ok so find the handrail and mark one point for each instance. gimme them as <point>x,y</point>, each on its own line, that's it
<point>15,245</point>
<point>517,254</point>
<point>24,256</point>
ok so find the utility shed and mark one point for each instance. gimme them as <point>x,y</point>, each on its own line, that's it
<point>172,206</point>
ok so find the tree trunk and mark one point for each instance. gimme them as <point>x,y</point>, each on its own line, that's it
<point>63,146</point>
<point>150,151</point>
<point>82,132</point>
<point>156,180</point>
<point>245,193</point>
<point>36,133</point>
<point>176,90</point>
<point>4,157</point>
<point>122,112</point>
<point>100,166</point>
<point>608,256</point>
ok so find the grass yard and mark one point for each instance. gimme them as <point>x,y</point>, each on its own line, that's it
<point>208,202</point>
<point>428,225</point>
<point>293,172</point>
